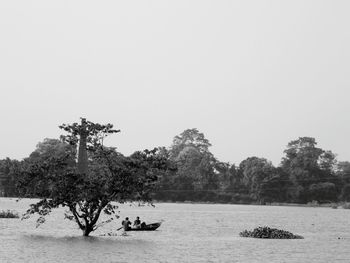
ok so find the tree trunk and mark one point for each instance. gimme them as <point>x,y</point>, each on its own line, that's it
<point>87,230</point>
<point>82,152</point>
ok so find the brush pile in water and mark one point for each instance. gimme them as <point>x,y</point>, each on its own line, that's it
<point>267,232</point>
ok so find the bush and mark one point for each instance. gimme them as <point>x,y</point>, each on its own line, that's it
<point>345,194</point>
<point>267,232</point>
<point>322,192</point>
<point>9,214</point>
<point>313,203</point>
<point>346,206</point>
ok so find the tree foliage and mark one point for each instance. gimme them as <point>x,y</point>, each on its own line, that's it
<point>9,171</point>
<point>195,163</point>
<point>275,188</point>
<point>254,171</point>
<point>307,165</point>
<point>192,138</point>
<point>111,178</point>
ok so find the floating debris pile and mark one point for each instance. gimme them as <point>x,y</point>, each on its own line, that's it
<point>267,232</point>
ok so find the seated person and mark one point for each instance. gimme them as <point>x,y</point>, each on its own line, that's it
<point>137,222</point>
<point>126,223</point>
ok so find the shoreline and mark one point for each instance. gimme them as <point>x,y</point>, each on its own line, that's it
<point>338,205</point>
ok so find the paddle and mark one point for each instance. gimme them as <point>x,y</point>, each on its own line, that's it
<point>119,228</point>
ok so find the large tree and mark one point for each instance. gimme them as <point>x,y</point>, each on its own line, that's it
<point>192,138</point>
<point>254,171</point>
<point>343,171</point>
<point>52,147</point>
<point>275,187</point>
<point>9,170</point>
<point>230,181</point>
<point>92,188</point>
<point>308,165</point>
<point>195,163</point>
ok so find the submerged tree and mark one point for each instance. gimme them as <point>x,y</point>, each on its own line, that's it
<point>89,187</point>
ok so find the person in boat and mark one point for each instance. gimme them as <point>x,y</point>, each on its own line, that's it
<point>126,223</point>
<point>137,222</point>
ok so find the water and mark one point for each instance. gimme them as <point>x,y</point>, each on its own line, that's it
<point>189,233</point>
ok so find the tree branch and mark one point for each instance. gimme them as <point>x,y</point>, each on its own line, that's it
<point>76,216</point>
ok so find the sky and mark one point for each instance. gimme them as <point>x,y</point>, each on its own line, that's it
<point>251,75</point>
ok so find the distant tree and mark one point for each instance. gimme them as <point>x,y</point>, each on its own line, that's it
<point>343,171</point>
<point>109,177</point>
<point>195,163</point>
<point>9,171</point>
<point>187,175</point>
<point>345,194</point>
<point>226,176</point>
<point>189,138</point>
<point>254,170</point>
<point>301,160</point>
<point>53,147</point>
<point>165,185</point>
<point>323,192</point>
<point>307,164</point>
<point>223,169</point>
<point>327,162</point>
<point>208,179</point>
<point>275,188</point>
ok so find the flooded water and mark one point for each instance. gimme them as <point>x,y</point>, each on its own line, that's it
<point>189,233</point>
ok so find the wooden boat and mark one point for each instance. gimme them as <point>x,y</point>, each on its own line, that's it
<point>149,227</point>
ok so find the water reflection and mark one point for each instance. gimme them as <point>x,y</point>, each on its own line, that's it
<point>44,248</point>
<point>129,241</point>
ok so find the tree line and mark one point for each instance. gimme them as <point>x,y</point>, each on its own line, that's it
<point>306,173</point>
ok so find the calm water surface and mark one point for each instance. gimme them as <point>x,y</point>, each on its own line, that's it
<point>189,233</point>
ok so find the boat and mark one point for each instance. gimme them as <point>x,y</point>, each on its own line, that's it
<point>149,227</point>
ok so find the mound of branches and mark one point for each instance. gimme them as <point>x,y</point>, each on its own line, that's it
<point>267,232</point>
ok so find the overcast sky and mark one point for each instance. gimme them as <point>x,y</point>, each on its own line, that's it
<point>250,75</point>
